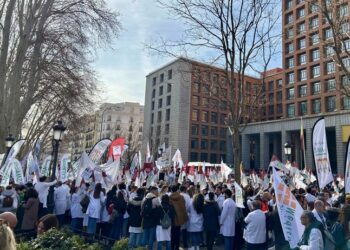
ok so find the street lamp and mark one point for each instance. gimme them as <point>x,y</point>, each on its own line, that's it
<point>287,150</point>
<point>58,131</point>
<point>8,143</point>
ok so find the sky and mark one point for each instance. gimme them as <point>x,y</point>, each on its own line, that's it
<point>122,69</point>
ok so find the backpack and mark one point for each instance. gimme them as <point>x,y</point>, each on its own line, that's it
<point>84,203</point>
<point>7,201</point>
<point>147,208</point>
<point>165,222</point>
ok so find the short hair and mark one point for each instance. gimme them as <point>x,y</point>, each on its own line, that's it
<point>256,204</point>
<point>211,196</point>
<point>228,192</point>
<point>140,192</point>
<point>309,215</point>
<point>122,185</point>
<point>49,221</point>
<point>174,188</point>
<point>183,188</point>
<point>7,237</point>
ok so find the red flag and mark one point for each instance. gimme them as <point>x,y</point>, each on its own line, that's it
<point>116,148</point>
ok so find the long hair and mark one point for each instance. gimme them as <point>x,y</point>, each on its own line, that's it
<point>97,191</point>
<point>7,239</point>
<point>198,203</point>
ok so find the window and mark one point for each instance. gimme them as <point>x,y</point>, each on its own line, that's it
<point>271,98</point>
<point>204,144</point>
<point>154,81</point>
<point>204,156</point>
<point>195,100</point>
<point>346,102</point>
<point>315,55</point>
<point>290,48</point>
<point>290,77</point>
<point>303,108</point>
<point>279,108</point>
<point>290,93</point>
<point>194,156</point>
<point>290,62</point>
<point>159,117</point>
<point>279,83</point>
<point>222,145</point>
<point>346,62</point>
<point>344,28</point>
<point>152,105</point>
<point>194,143</point>
<point>289,18</point>
<point>301,12</point>
<point>301,28</point>
<point>196,87</point>
<point>161,90</point>
<point>214,117</point>
<point>316,88</point>
<point>302,59</point>
<point>331,103</point>
<point>302,75</point>
<point>161,77</point>
<point>153,93</point>
<point>314,23</point>
<point>167,115</point>
<point>160,103</point>
<point>313,8</point>
<point>205,116</point>
<point>289,4</point>
<point>315,39</point>
<point>204,129</point>
<point>279,96</point>
<point>213,131</point>
<point>271,86</point>
<point>316,106</point>
<point>222,132</point>
<point>301,43</point>
<point>316,71</point>
<point>290,110</point>
<point>170,74</point>
<point>329,51</point>
<point>205,102</point>
<point>152,118</point>
<point>222,118</point>
<point>303,90</point>
<point>168,100</point>
<point>213,158</point>
<point>331,85</point>
<point>195,114</point>
<point>343,10</point>
<point>290,33</point>
<point>168,89</point>
<point>345,80</point>
<point>194,129</point>
<point>346,45</point>
<point>328,33</point>
<point>330,66</point>
<point>213,144</point>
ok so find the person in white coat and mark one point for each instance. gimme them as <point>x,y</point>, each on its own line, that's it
<point>61,195</point>
<point>76,209</point>
<point>312,238</point>
<point>97,199</point>
<point>228,220</point>
<point>42,187</point>
<point>195,222</point>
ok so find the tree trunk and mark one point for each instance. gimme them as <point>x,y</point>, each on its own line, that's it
<point>236,155</point>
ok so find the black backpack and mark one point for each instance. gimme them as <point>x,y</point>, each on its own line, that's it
<point>147,208</point>
<point>84,203</point>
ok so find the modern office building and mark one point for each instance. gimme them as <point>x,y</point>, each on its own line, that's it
<point>186,108</point>
<point>310,88</point>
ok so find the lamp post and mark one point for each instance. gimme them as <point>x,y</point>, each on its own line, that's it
<point>58,131</point>
<point>8,143</point>
<point>287,150</point>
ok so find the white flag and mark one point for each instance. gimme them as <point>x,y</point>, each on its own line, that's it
<point>17,172</point>
<point>320,150</point>
<point>45,167</point>
<point>177,159</point>
<point>289,211</point>
<point>64,168</point>
<point>238,195</point>
<point>347,168</point>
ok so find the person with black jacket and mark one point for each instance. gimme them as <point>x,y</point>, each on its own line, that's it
<point>134,210</point>
<point>117,216</point>
<point>165,219</point>
<point>211,213</point>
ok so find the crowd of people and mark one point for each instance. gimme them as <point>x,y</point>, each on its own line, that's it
<point>170,215</point>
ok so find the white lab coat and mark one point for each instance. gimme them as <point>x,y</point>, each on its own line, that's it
<point>61,195</point>
<point>315,241</point>
<point>195,222</point>
<point>75,207</point>
<point>228,218</point>
<point>95,206</point>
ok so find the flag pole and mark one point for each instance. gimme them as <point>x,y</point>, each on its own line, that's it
<point>303,146</point>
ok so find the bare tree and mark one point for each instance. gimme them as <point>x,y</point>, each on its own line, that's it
<point>46,50</point>
<point>241,36</point>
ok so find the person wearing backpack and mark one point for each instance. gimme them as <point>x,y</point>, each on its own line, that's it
<point>119,207</point>
<point>9,200</point>
<point>336,229</point>
<point>134,210</point>
<point>149,216</point>
<point>211,214</point>
<point>166,216</point>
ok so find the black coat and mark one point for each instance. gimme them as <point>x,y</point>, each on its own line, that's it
<point>211,213</point>
<point>134,210</point>
<point>150,220</point>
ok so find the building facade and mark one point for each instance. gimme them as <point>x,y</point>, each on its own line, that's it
<point>186,107</point>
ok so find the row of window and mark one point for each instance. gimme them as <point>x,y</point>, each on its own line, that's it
<point>209,102</point>
<point>205,130</point>
<point>160,102</point>
<point>160,91</point>
<point>159,116</point>
<point>330,85</point>
<point>203,157</point>
<point>204,144</point>
<point>158,129</point>
<point>161,77</point>
<point>204,116</point>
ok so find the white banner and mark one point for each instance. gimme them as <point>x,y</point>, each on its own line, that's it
<point>45,167</point>
<point>5,173</point>
<point>289,211</point>
<point>320,150</point>
<point>347,168</point>
<point>17,172</point>
<point>239,195</point>
<point>225,170</point>
<point>177,159</point>
<point>99,149</point>
<point>16,147</point>
<point>64,168</point>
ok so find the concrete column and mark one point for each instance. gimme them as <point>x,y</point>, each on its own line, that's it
<point>245,151</point>
<point>341,148</point>
<point>264,147</point>
<point>308,152</point>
